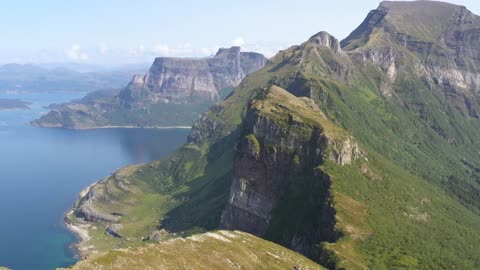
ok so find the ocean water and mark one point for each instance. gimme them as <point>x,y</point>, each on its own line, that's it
<point>42,170</point>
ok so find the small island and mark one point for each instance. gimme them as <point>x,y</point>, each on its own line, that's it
<point>13,104</point>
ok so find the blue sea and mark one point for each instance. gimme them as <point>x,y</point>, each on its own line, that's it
<point>42,170</point>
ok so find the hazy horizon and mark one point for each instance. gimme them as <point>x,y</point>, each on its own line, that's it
<point>55,31</point>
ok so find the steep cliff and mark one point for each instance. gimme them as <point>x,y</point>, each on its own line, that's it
<point>183,80</point>
<point>173,92</point>
<point>439,41</point>
<point>277,166</point>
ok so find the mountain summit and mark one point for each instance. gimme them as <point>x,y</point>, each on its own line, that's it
<point>426,21</point>
<point>439,40</point>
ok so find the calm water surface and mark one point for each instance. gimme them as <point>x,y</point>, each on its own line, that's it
<point>42,170</point>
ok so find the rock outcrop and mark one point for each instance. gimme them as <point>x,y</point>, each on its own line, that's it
<point>283,147</point>
<point>191,80</point>
<point>86,210</point>
<point>114,230</point>
<point>326,40</point>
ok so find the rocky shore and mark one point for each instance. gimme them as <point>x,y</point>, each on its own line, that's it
<point>82,250</point>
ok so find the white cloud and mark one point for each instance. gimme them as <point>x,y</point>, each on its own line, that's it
<point>138,51</point>
<point>187,45</point>
<point>208,51</point>
<point>268,50</point>
<point>76,54</point>
<point>105,53</point>
<point>239,41</point>
<point>161,50</point>
<point>181,50</point>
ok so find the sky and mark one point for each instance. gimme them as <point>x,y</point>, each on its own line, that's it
<point>113,32</point>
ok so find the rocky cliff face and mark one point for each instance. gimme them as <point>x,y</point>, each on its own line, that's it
<point>190,80</point>
<point>277,155</point>
<point>445,57</point>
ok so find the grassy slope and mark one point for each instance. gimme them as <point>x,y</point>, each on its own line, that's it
<point>157,115</point>
<point>424,21</point>
<point>214,250</point>
<point>412,223</point>
<point>426,129</point>
<point>184,193</point>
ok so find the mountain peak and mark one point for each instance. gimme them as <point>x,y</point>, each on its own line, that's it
<point>424,21</point>
<point>401,5</point>
<point>326,40</point>
<point>226,51</point>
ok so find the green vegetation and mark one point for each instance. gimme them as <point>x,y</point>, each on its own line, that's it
<point>80,116</point>
<point>157,115</point>
<point>253,142</point>
<point>425,22</point>
<point>184,194</point>
<point>415,221</point>
<point>213,250</point>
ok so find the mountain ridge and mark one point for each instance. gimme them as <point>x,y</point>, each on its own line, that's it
<point>172,93</point>
<point>33,77</point>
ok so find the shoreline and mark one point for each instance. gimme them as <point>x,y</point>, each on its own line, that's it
<point>80,231</point>
<point>80,251</point>
<point>152,127</point>
<point>112,127</point>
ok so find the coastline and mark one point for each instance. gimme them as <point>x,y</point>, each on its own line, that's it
<point>82,230</point>
<point>148,127</point>
<point>79,230</point>
<point>111,127</point>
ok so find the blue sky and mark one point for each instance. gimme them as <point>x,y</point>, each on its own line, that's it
<point>126,31</point>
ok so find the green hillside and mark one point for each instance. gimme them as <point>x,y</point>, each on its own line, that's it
<point>213,250</point>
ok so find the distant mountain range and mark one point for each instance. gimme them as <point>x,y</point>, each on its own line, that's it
<point>63,77</point>
<point>174,92</point>
<point>12,104</point>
